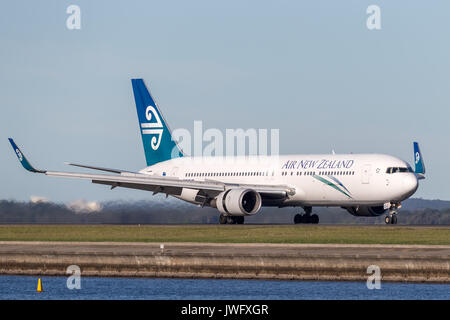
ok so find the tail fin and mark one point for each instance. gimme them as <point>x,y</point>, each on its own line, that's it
<point>418,160</point>
<point>156,135</point>
<point>25,163</point>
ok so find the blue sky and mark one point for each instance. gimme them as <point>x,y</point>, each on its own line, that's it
<point>310,68</point>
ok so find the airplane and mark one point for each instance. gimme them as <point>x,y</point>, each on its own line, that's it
<point>366,185</point>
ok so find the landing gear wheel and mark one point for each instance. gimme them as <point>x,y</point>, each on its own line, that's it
<point>394,219</point>
<point>392,215</point>
<point>240,220</point>
<point>387,219</point>
<point>231,220</point>
<point>222,219</point>
<point>306,218</point>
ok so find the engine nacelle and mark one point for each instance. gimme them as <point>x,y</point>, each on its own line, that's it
<point>238,202</point>
<point>365,211</point>
<point>188,195</point>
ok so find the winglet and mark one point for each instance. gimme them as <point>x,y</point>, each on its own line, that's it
<point>25,163</point>
<point>418,160</point>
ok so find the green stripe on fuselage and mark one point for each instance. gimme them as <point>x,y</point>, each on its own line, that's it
<point>331,184</point>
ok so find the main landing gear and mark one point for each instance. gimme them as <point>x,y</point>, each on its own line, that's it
<point>391,217</point>
<point>307,217</point>
<point>231,219</point>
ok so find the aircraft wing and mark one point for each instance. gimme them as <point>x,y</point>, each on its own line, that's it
<point>167,185</point>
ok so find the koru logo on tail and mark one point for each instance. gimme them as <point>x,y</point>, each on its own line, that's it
<point>19,155</point>
<point>154,128</point>
<point>417,157</point>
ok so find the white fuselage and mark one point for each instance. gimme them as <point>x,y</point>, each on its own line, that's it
<point>318,180</point>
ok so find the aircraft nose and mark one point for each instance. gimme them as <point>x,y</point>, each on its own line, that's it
<point>410,184</point>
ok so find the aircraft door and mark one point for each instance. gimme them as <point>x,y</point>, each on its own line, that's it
<point>366,172</point>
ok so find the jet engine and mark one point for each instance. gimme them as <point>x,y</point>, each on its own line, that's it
<point>365,211</point>
<point>238,202</point>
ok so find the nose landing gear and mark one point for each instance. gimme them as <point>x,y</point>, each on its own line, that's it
<point>391,217</point>
<point>307,217</point>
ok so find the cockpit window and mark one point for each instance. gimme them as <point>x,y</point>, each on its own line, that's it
<point>398,169</point>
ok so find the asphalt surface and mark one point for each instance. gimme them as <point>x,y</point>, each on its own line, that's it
<point>312,250</point>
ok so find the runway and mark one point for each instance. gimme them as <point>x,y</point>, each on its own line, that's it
<point>402,263</point>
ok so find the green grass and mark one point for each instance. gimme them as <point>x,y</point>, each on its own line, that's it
<point>232,234</point>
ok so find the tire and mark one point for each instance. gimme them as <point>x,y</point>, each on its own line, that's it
<point>231,220</point>
<point>394,219</point>
<point>298,218</point>
<point>387,219</point>
<point>222,219</point>
<point>315,219</point>
<point>240,220</point>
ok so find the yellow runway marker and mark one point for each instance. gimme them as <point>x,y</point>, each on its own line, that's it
<point>39,287</point>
